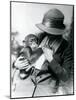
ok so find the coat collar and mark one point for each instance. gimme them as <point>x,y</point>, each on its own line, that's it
<point>52,44</point>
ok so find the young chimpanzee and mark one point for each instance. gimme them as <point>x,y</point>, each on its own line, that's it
<point>31,52</point>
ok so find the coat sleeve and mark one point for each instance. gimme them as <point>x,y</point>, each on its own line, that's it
<point>63,71</point>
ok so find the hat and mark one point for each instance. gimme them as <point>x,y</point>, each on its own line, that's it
<point>53,22</point>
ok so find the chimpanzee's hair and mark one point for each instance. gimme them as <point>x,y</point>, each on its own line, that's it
<point>29,37</point>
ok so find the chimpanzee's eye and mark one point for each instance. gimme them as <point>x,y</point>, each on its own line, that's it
<point>32,40</point>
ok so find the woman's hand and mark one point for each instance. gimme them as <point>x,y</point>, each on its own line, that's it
<point>22,63</point>
<point>48,53</point>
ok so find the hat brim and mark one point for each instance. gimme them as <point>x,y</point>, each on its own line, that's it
<point>53,31</point>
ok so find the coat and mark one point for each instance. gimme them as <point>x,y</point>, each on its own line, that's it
<point>52,79</point>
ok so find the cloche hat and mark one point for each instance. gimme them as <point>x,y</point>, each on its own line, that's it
<point>53,22</point>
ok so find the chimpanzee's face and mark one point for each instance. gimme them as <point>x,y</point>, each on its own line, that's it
<point>33,43</point>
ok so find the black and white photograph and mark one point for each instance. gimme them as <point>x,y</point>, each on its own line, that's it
<point>41,49</point>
